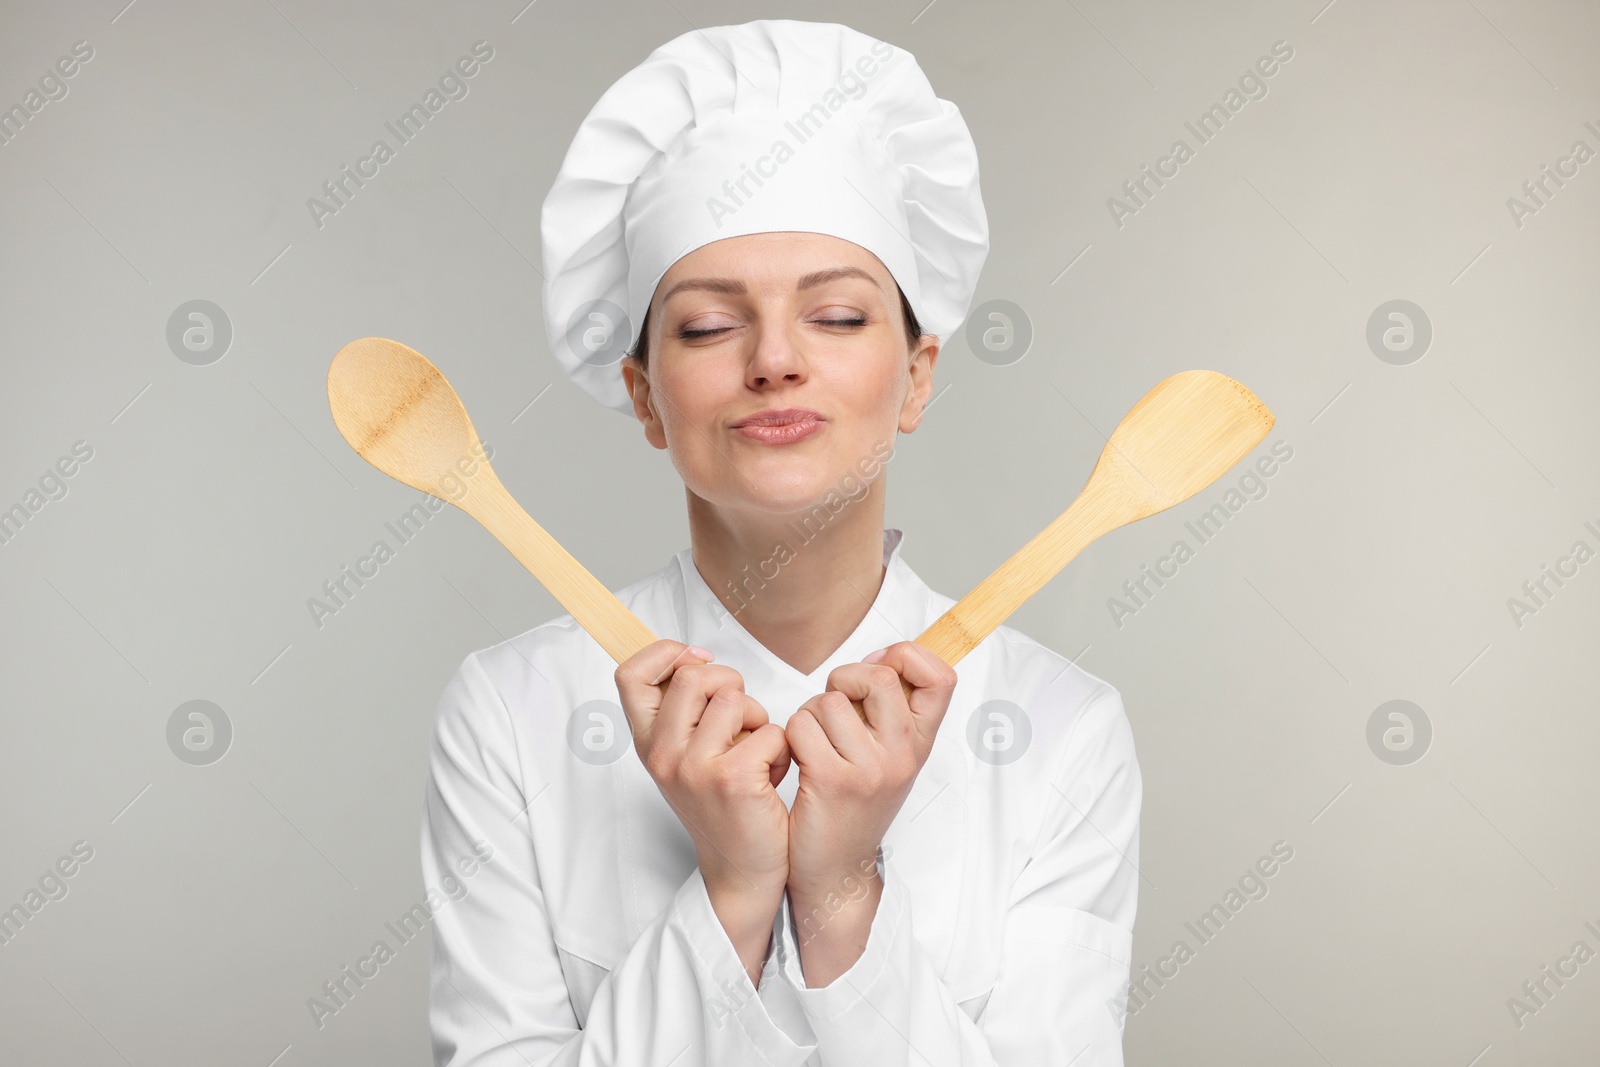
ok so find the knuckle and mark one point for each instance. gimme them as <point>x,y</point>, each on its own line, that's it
<point>882,675</point>
<point>690,777</point>
<point>715,780</point>
<point>871,781</point>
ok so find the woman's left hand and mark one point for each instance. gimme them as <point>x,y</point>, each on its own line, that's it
<point>854,775</point>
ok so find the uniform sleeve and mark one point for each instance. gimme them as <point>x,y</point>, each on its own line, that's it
<point>1061,995</point>
<point>497,996</point>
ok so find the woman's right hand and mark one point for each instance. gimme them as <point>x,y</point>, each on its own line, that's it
<point>685,715</point>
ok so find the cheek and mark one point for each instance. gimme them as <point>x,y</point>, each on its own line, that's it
<point>869,407</point>
<point>689,400</point>
<point>864,380</point>
<point>882,392</point>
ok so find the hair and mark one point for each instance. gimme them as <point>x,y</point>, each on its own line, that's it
<point>641,348</point>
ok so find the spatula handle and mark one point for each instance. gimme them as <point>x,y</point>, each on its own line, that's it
<point>993,600</point>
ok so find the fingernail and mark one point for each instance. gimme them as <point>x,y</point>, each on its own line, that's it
<point>874,657</point>
<point>703,653</point>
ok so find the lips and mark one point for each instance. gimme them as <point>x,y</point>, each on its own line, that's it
<point>779,417</point>
<point>779,427</point>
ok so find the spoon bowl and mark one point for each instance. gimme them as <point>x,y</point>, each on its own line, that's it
<point>397,411</point>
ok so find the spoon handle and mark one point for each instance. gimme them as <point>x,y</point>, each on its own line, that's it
<point>594,607</point>
<point>619,631</point>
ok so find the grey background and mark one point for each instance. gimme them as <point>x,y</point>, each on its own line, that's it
<point>1378,567</point>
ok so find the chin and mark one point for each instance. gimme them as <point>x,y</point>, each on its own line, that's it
<point>783,497</point>
<point>769,489</point>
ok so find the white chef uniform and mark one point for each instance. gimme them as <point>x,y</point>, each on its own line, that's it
<point>1004,931</point>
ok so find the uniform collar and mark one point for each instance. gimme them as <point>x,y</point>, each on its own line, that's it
<point>898,613</point>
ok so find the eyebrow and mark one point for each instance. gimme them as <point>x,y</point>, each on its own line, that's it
<point>734,287</point>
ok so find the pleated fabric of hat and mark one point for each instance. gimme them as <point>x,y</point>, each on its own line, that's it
<point>767,126</point>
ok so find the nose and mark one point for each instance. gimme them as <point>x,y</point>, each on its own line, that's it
<point>776,359</point>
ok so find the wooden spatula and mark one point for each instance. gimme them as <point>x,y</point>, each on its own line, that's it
<point>1183,435</point>
<point>397,411</point>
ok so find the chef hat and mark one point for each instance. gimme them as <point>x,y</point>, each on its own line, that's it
<point>767,126</point>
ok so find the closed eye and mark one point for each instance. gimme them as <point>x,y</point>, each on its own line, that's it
<point>690,335</point>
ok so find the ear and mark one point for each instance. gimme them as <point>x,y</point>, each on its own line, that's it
<point>921,392</point>
<point>644,406</point>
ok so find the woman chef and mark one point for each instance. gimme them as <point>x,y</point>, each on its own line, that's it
<point>793,220</point>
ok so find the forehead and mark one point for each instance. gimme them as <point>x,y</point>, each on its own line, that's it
<point>774,259</point>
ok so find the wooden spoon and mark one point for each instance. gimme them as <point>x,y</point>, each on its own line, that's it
<point>400,415</point>
<point>397,411</point>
